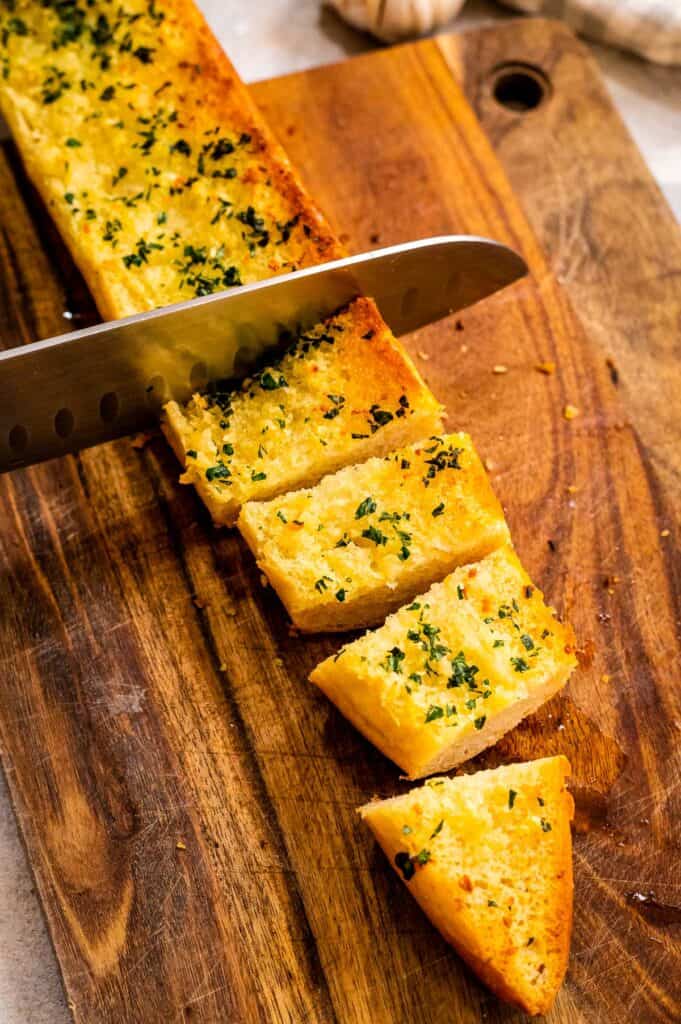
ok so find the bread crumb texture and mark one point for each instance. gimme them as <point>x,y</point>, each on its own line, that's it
<point>149,153</point>
<point>342,392</point>
<point>454,670</point>
<point>367,538</point>
<point>488,857</point>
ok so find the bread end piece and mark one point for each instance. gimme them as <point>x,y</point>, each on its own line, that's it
<point>489,859</point>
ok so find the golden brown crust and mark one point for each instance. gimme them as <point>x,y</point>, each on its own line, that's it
<point>166,184</point>
<point>368,538</point>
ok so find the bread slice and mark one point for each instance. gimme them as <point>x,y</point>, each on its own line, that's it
<point>449,674</point>
<point>149,153</point>
<point>488,857</point>
<point>343,392</point>
<point>367,538</point>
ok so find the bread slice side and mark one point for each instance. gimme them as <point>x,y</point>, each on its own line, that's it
<point>446,676</point>
<point>352,549</point>
<point>342,392</point>
<point>489,859</point>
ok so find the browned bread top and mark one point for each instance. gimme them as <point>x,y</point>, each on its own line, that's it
<point>447,675</point>
<point>158,169</point>
<point>367,538</point>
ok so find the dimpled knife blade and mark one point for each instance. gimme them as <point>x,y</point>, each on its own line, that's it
<point>79,389</point>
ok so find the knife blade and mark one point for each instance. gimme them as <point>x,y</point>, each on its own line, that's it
<point>80,389</point>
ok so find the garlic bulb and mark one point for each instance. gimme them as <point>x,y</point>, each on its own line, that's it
<point>397,19</point>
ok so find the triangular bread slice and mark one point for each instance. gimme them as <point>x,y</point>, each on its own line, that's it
<point>488,857</point>
<point>449,674</point>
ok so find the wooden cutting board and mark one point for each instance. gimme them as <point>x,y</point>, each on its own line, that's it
<point>186,797</point>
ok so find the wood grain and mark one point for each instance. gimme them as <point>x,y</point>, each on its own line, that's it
<point>153,692</point>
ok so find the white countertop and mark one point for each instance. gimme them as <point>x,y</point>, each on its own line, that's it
<point>267,38</point>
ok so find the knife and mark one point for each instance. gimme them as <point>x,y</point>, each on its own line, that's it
<point>80,389</point>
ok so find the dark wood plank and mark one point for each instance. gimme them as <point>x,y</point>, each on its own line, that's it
<point>153,692</point>
<point>120,740</point>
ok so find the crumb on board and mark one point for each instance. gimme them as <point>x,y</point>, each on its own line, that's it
<point>664,533</point>
<point>614,372</point>
<point>546,368</point>
<point>179,845</point>
<point>500,368</point>
<point>423,355</point>
<point>570,412</point>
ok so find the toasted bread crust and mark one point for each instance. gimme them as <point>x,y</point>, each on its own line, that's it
<point>166,184</point>
<point>495,876</point>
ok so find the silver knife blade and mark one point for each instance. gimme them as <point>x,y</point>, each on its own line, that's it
<point>79,389</point>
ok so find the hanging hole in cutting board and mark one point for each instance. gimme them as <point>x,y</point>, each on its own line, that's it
<point>519,87</point>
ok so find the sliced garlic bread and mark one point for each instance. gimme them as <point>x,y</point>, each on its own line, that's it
<point>343,392</point>
<point>365,539</point>
<point>166,184</point>
<point>488,857</point>
<point>450,673</point>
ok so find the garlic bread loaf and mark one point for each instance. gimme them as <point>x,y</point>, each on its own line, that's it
<point>449,674</point>
<point>367,538</point>
<point>166,184</point>
<point>489,859</point>
<point>152,158</point>
<point>342,392</point>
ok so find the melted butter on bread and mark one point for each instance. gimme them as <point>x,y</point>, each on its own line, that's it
<point>160,173</point>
